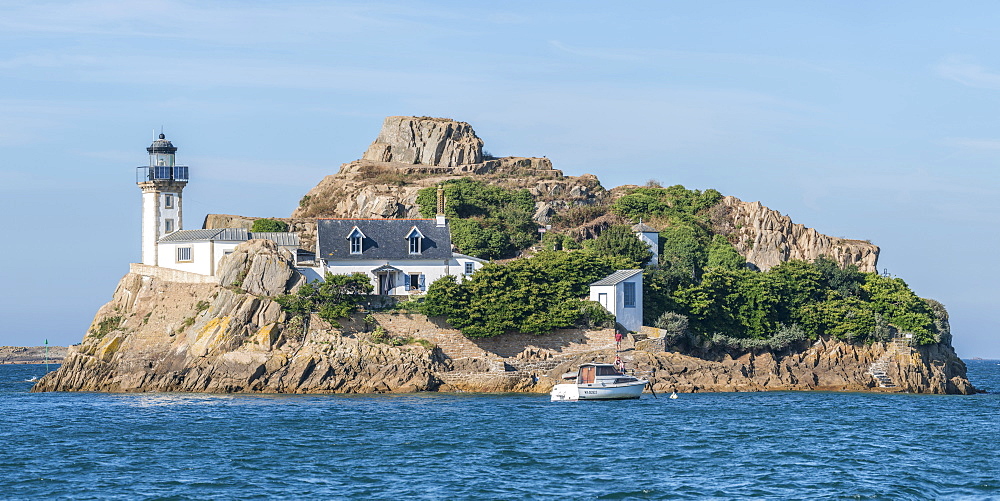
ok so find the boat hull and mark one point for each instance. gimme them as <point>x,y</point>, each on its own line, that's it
<point>571,392</point>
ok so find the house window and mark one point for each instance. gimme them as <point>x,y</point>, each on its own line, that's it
<point>629,290</point>
<point>469,268</point>
<point>184,255</point>
<point>168,225</point>
<point>414,237</point>
<point>356,240</point>
<point>415,282</point>
<point>168,201</point>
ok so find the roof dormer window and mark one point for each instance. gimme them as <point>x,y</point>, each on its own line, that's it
<point>356,240</point>
<point>415,240</point>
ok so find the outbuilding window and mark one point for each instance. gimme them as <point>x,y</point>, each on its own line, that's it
<point>628,288</point>
<point>184,255</point>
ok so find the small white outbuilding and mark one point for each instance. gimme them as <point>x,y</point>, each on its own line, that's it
<point>621,294</point>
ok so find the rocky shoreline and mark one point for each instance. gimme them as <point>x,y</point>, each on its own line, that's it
<point>159,335</point>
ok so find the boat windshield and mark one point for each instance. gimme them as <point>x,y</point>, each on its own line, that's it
<point>607,370</point>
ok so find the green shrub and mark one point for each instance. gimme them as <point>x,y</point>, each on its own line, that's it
<point>486,221</point>
<point>107,325</point>
<point>268,225</point>
<point>333,298</point>
<point>533,295</point>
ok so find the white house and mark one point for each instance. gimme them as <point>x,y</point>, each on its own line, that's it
<point>651,238</point>
<point>199,251</point>
<point>621,294</point>
<point>402,256</point>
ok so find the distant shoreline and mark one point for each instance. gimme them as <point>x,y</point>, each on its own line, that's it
<point>32,354</point>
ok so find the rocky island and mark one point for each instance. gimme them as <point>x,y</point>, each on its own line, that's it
<point>233,332</point>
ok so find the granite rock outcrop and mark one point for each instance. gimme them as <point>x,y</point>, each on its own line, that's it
<point>412,153</point>
<point>767,238</point>
<point>426,141</point>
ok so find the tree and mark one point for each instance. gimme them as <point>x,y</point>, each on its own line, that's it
<point>893,299</point>
<point>487,221</point>
<point>335,297</point>
<point>533,295</point>
<point>722,255</point>
<point>266,225</point>
<point>620,241</point>
<point>682,250</point>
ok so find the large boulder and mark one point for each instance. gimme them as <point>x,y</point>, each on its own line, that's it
<point>427,141</point>
<point>259,267</point>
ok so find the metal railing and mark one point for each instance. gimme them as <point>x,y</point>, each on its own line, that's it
<point>161,172</point>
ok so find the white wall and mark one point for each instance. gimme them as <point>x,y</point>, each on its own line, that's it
<point>172,213</point>
<point>652,241</point>
<point>630,318</point>
<point>149,228</point>
<point>201,254</point>
<point>432,269</point>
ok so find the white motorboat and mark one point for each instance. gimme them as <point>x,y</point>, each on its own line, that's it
<point>598,382</point>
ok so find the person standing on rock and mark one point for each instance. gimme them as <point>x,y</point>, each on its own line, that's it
<point>618,340</point>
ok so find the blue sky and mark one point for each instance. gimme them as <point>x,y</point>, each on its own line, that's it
<point>869,120</point>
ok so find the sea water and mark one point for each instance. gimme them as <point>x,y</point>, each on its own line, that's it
<point>784,445</point>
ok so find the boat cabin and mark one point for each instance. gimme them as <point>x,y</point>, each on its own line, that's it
<point>601,373</point>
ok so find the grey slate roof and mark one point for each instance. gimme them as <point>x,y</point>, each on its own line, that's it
<point>643,228</point>
<point>384,239</point>
<point>617,277</point>
<point>230,235</point>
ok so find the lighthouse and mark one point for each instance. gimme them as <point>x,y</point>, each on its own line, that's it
<point>162,183</point>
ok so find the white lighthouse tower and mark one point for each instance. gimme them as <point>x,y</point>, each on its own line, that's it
<point>162,184</point>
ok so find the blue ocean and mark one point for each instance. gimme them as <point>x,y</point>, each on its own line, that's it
<point>780,445</point>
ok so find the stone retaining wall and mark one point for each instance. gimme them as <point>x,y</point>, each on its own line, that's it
<point>170,275</point>
<point>454,345</point>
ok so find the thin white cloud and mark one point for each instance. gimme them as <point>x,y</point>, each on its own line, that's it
<point>661,55</point>
<point>617,55</point>
<point>261,25</point>
<point>974,144</point>
<point>966,71</point>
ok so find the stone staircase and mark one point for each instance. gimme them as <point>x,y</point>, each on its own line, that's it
<point>900,345</point>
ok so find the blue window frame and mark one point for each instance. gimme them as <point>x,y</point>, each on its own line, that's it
<point>629,290</point>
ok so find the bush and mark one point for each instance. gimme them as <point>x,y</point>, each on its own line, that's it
<point>621,242</point>
<point>487,222</point>
<point>107,325</point>
<point>533,295</point>
<point>335,297</point>
<point>594,316</point>
<point>268,226</point>
<point>674,325</point>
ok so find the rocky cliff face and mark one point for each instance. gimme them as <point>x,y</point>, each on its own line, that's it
<point>157,335</point>
<point>767,238</point>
